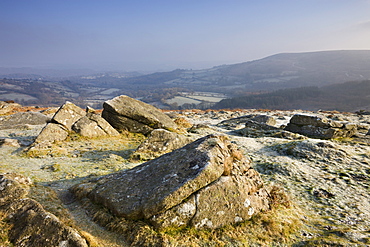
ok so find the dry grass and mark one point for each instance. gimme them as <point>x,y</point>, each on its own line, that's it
<point>266,229</point>
<point>4,230</point>
<point>183,123</point>
<point>51,202</point>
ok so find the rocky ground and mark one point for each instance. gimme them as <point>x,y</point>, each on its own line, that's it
<point>327,180</point>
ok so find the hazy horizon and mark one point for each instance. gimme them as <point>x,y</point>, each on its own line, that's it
<point>165,35</point>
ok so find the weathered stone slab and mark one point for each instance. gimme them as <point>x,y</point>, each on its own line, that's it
<point>264,119</point>
<point>256,129</point>
<point>299,119</point>
<point>241,197</point>
<point>160,184</point>
<point>269,120</point>
<point>320,127</point>
<point>125,113</point>
<point>30,224</point>
<point>93,125</point>
<point>68,114</point>
<point>34,227</point>
<point>159,142</point>
<point>21,119</point>
<point>50,133</point>
<point>186,187</point>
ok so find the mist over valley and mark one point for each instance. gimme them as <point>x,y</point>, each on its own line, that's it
<point>309,81</point>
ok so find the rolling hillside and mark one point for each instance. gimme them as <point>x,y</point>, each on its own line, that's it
<point>286,70</point>
<point>349,96</point>
<point>277,72</point>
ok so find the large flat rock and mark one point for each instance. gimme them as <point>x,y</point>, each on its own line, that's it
<point>157,185</point>
<point>125,113</point>
<point>206,184</point>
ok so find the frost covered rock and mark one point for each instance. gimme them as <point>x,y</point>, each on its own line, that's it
<point>320,127</point>
<point>33,226</point>
<point>60,125</point>
<point>70,117</point>
<point>93,125</point>
<point>158,143</point>
<point>68,114</point>
<point>30,224</point>
<point>269,120</point>
<point>50,133</point>
<point>263,119</point>
<point>257,129</point>
<point>206,184</point>
<point>125,113</point>
<point>21,119</point>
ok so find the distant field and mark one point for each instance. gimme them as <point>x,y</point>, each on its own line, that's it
<point>207,98</point>
<point>16,97</point>
<point>109,91</point>
<point>180,100</point>
<point>196,98</point>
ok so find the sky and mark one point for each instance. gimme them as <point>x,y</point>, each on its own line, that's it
<point>163,35</point>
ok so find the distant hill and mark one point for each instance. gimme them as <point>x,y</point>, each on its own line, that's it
<point>311,68</point>
<point>349,96</point>
<point>286,70</point>
<point>266,75</point>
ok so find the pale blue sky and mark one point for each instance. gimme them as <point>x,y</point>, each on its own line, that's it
<point>170,34</point>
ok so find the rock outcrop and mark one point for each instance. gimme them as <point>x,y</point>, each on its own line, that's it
<point>30,224</point>
<point>206,184</point>
<point>52,132</point>
<point>127,114</point>
<point>68,114</point>
<point>7,107</point>
<point>60,125</point>
<point>320,127</point>
<point>68,118</point>
<point>234,122</point>
<point>159,142</point>
<point>258,129</point>
<point>22,119</point>
<point>269,120</point>
<point>93,125</point>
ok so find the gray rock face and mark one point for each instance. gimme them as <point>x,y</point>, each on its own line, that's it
<point>50,133</point>
<point>125,113</point>
<point>205,184</point>
<point>93,125</point>
<point>320,127</point>
<point>60,125</point>
<point>159,142</point>
<point>269,120</point>
<point>68,114</point>
<point>31,224</point>
<point>22,119</point>
<point>70,117</point>
<point>256,129</point>
<point>34,227</point>
<point>263,119</point>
